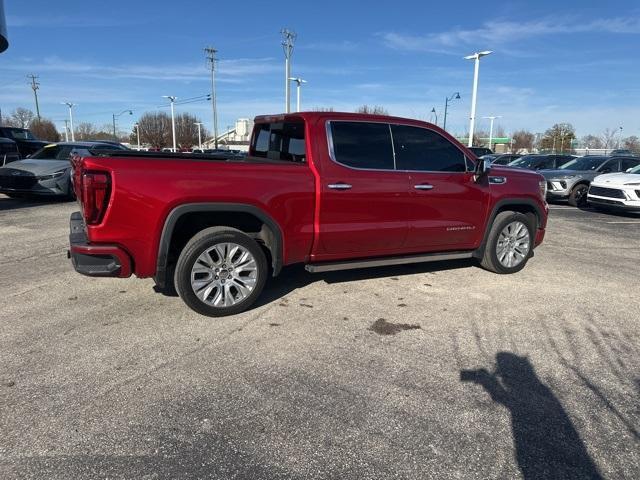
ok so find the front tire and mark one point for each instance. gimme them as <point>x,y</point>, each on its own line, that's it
<point>578,195</point>
<point>221,271</point>
<point>509,244</point>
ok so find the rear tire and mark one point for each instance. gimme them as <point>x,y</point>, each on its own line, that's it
<point>221,271</point>
<point>509,244</point>
<point>578,195</point>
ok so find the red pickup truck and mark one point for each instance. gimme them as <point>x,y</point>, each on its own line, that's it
<point>330,190</point>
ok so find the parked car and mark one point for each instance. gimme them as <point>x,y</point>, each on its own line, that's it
<point>571,181</point>
<point>47,172</point>
<point>480,151</point>
<point>25,141</point>
<point>505,158</point>
<point>321,188</point>
<point>622,152</point>
<point>541,162</point>
<point>8,151</point>
<point>619,191</point>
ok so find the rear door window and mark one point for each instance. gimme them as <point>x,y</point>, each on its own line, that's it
<point>627,163</point>
<point>425,150</point>
<point>365,145</point>
<point>279,141</point>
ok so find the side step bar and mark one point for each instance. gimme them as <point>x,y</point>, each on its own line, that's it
<point>382,262</point>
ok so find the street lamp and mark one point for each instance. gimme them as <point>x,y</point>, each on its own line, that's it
<point>492,118</point>
<point>433,110</point>
<point>70,105</point>
<point>299,81</point>
<point>137,127</point>
<point>455,96</point>
<point>288,40</point>
<point>620,137</point>
<point>199,124</point>
<point>472,119</point>
<point>114,115</point>
<point>172,99</point>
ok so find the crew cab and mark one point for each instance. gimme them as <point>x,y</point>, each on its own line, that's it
<point>329,190</point>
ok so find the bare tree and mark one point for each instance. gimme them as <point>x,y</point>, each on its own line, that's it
<point>372,110</point>
<point>155,129</point>
<point>608,138</point>
<point>591,141</point>
<point>522,139</point>
<point>187,130</point>
<point>499,132</point>
<point>44,129</point>
<point>20,117</point>
<point>85,131</point>
<point>632,143</point>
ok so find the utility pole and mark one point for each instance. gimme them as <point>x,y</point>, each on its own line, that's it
<point>299,81</point>
<point>199,124</point>
<point>138,134</point>
<point>35,86</point>
<point>172,99</point>
<point>211,58</point>
<point>472,118</point>
<point>288,39</point>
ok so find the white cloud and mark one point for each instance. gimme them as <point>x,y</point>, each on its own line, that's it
<point>504,32</point>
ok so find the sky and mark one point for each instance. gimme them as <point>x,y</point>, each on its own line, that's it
<point>570,61</point>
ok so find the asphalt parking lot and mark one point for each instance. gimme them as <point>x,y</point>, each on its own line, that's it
<point>428,371</point>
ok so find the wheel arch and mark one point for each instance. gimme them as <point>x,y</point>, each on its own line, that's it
<point>526,206</point>
<point>247,218</point>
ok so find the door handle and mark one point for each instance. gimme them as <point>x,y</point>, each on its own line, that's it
<point>339,186</point>
<point>423,186</point>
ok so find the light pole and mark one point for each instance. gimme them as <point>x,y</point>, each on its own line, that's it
<point>492,118</point>
<point>433,110</point>
<point>66,130</point>
<point>620,137</point>
<point>472,119</point>
<point>299,81</point>
<point>172,99</point>
<point>199,124</point>
<point>137,127</point>
<point>455,96</point>
<point>288,39</point>
<point>70,105</point>
<point>114,115</point>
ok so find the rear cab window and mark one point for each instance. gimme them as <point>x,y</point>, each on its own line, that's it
<point>283,141</point>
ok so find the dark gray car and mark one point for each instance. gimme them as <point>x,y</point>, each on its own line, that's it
<point>572,180</point>
<point>48,171</point>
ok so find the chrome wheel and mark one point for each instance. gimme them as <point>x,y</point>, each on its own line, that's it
<point>224,275</point>
<point>514,243</point>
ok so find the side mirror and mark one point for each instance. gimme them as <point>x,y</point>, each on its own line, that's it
<point>483,167</point>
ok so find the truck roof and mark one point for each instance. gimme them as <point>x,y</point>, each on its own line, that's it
<point>310,116</point>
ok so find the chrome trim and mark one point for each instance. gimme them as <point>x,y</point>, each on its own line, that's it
<point>339,186</point>
<point>332,154</point>
<point>423,187</point>
<point>498,180</point>
<point>381,262</point>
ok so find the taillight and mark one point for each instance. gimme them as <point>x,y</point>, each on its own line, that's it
<point>96,187</point>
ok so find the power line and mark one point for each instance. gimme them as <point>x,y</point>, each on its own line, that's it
<point>35,86</point>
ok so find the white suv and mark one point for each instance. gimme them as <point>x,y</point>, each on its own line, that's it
<point>616,190</point>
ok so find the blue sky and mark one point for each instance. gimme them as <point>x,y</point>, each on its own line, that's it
<point>574,62</point>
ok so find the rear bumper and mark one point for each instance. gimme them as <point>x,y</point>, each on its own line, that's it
<point>95,260</point>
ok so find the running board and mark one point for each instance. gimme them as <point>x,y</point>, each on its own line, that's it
<point>383,262</point>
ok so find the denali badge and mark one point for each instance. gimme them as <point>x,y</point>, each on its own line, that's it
<point>466,227</point>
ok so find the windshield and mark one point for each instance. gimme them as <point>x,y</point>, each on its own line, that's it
<point>54,152</point>
<point>525,162</point>
<point>583,163</point>
<point>20,134</point>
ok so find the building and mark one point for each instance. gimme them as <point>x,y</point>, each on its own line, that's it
<point>235,137</point>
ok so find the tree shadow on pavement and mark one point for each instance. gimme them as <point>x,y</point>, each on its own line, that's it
<point>546,442</point>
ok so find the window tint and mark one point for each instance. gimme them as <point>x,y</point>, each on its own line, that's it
<point>628,163</point>
<point>53,152</point>
<point>280,141</point>
<point>421,149</point>
<point>610,166</point>
<point>362,145</point>
<point>547,163</point>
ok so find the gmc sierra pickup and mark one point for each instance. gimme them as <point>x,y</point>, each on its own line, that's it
<point>330,190</point>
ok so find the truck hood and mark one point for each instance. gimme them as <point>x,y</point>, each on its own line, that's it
<point>617,179</point>
<point>549,174</point>
<point>38,167</point>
